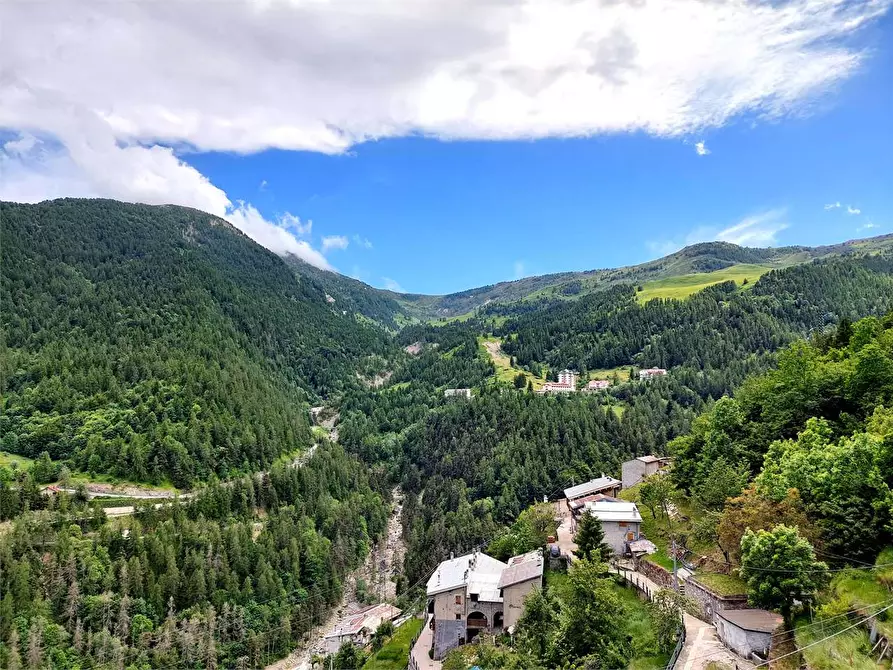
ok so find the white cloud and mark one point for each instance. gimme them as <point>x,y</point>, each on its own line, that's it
<point>391,285</point>
<point>451,68</point>
<point>519,269</point>
<point>701,148</point>
<point>334,242</point>
<point>263,185</point>
<point>833,205</point>
<point>110,87</point>
<point>867,226</point>
<point>758,230</point>
<point>274,236</point>
<point>294,223</point>
<point>362,242</point>
<point>852,210</point>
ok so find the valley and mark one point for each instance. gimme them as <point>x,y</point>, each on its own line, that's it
<point>304,416</point>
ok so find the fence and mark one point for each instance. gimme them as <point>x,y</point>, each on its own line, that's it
<point>413,663</point>
<point>678,650</point>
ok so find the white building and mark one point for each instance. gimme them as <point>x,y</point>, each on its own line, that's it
<point>457,393</point>
<point>621,522</point>
<point>598,385</point>
<point>567,383</point>
<point>651,373</point>
<point>747,631</point>
<point>358,628</point>
<point>605,485</point>
<point>638,469</point>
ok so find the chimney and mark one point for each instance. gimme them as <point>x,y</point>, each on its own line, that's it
<point>452,555</point>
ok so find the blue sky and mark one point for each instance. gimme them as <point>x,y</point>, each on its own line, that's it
<point>458,147</point>
<point>446,216</point>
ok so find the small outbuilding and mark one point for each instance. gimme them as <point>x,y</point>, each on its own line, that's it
<point>748,631</point>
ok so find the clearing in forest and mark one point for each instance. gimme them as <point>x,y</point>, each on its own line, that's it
<point>504,370</point>
<point>683,286</point>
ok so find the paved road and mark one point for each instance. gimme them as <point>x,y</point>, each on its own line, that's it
<point>423,644</point>
<point>703,646</point>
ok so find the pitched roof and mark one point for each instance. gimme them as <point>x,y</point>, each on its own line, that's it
<point>590,487</point>
<point>522,568</point>
<point>476,571</point>
<point>369,617</point>
<point>759,621</point>
<point>614,511</point>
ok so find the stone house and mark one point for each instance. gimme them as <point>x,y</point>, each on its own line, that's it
<point>638,469</point>
<point>523,574</point>
<point>747,632</point>
<point>465,599</point>
<point>358,628</point>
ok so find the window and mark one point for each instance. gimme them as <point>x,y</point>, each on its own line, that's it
<point>458,600</point>
<point>474,597</point>
<point>622,524</point>
<point>458,617</point>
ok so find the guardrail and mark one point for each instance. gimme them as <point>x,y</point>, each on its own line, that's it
<point>678,650</point>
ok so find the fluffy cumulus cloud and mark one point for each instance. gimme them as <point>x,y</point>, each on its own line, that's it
<point>833,205</point>
<point>113,94</point>
<point>334,242</point>
<point>701,148</point>
<point>853,210</point>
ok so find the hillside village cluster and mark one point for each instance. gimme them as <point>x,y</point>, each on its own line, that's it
<point>568,383</point>
<point>475,594</point>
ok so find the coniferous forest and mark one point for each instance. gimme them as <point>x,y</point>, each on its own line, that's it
<point>159,345</point>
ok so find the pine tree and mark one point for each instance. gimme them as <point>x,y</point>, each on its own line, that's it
<point>590,539</point>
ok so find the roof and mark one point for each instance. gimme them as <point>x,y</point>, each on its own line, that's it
<point>476,571</point>
<point>759,621</point>
<point>642,547</point>
<point>590,487</point>
<point>648,459</point>
<point>369,617</point>
<point>521,569</point>
<point>595,497</point>
<point>614,511</point>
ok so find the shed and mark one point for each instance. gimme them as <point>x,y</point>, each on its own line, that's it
<point>603,484</point>
<point>748,631</point>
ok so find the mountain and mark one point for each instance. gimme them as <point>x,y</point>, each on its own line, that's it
<point>707,257</point>
<point>159,342</point>
<point>695,266</point>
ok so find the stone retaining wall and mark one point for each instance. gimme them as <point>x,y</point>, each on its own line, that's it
<point>657,574</point>
<point>707,602</point>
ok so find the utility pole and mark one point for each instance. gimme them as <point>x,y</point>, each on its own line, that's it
<point>675,575</point>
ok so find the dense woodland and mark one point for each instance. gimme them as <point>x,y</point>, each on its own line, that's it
<point>232,578</point>
<point>158,344</point>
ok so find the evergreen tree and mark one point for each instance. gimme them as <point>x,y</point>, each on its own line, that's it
<point>590,539</point>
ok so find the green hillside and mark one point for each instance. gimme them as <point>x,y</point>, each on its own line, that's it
<point>160,342</point>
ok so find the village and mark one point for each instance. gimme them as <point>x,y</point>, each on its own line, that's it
<point>475,597</point>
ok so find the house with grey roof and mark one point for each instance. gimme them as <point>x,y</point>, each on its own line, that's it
<point>523,574</point>
<point>748,631</point>
<point>604,485</point>
<point>464,597</point>
<point>638,469</point>
<point>620,521</point>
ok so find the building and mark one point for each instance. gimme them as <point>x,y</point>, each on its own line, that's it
<point>577,506</point>
<point>651,373</point>
<point>460,393</point>
<point>634,471</point>
<point>604,485</point>
<point>358,628</point>
<point>464,596</point>
<point>567,383</point>
<point>523,574</point>
<point>621,522</point>
<point>598,385</point>
<point>748,631</point>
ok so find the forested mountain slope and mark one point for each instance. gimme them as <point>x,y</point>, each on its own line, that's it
<point>698,258</point>
<point>160,342</point>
